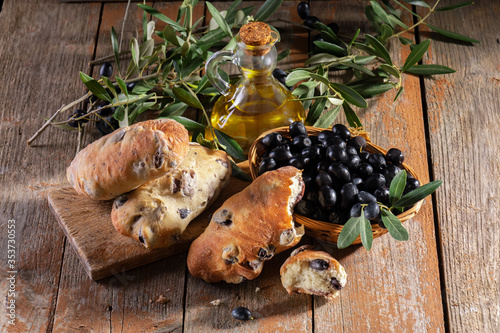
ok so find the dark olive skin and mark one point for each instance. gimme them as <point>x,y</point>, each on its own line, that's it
<point>382,194</point>
<point>241,313</point>
<point>334,26</point>
<point>324,135</point>
<point>365,197</point>
<point>272,140</point>
<point>319,264</point>
<point>297,128</point>
<point>377,161</point>
<point>280,154</point>
<point>310,20</point>
<point>355,210</point>
<point>313,152</point>
<point>372,211</point>
<point>348,193</point>
<point>375,181</point>
<point>296,162</point>
<point>353,162</point>
<point>411,184</point>
<point>323,178</point>
<point>327,197</point>
<point>365,170</point>
<point>104,126</point>
<point>106,70</point>
<point>339,172</point>
<point>336,154</point>
<point>395,156</point>
<point>358,142</point>
<point>364,156</point>
<point>267,164</point>
<point>303,10</point>
<point>300,142</point>
<point>341,131</point>
<point>306,207</point>
<point>390,172</point>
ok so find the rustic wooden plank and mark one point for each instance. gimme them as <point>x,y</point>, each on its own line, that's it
<point>122,302</point>
<point>395,286</point>
<point>37,63</point>
<point>101,249</point>
<point>462,111</point>
<point>273,308</point>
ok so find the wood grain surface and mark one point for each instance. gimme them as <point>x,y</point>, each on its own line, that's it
<point>447,127</point>
<point>102,250</point>
<point>463,116</point>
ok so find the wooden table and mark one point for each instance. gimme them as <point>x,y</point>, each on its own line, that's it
<point>445,278</point>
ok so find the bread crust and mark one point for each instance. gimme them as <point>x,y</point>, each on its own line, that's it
<point>249,228</point>
<point>158,212</point>
<point>121,161</point>
<point>300,260</point>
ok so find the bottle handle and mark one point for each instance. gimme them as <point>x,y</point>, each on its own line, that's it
<point>212,69</point>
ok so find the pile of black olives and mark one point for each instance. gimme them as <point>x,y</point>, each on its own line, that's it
<point>340,176</point>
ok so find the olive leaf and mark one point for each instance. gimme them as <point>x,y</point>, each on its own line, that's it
<point>350,231</point>
<point>315,111</point>
<point>122,85</point>
<point>416,54</point>
<point>379,47</point>
<point>453,6</point>
<point>349,95</point>
<point>365,230</point>
<point>321,58</point>
<point>174,109</point>
<point>419,3</point>
<point>161,17</point>
<point>115,45</point>
<point>397,186</point>
<point>351,116</point>
<point>400,91</point>
<point>94,87</point>
<point>358,67</point>
<point>429,69</point>
<point>297,76</point>
<point>452,35</point>
<point>327,119</point>
<point>186,97</point>
<point>283,54</point>
<point>370,87</point>
<point>394,225</point>
<point>189,124</point>
<point>390,70</point>
<point>267,9</point>
<point>238,173</point>
<point>417,194</point>
<point>231,146</point>
<point>219,19</point>
<point>331,48</point>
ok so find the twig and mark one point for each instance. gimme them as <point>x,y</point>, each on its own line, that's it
<point>79,142</point>
<point>48,122</point>
<point>123,26</point>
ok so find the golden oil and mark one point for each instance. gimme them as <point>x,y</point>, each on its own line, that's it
<point>257,103</point>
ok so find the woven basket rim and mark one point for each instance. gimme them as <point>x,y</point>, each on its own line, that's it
<point>328,231</point>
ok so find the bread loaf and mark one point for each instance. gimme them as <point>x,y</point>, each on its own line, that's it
<point>312,272</point>
<point>249,228</point>
<point>121,161</point>
<point>158,212</point>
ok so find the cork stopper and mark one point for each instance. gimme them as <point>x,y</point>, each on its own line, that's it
<point>255,33</point>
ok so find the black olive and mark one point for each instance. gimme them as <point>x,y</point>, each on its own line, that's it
<point>241,313</point>
<point>280,154</point>
<point>358,181</point>
<point>375,181</point>
<point>311,196</point>
<point>395,156</point>
<point>365,170</point>
<point>306,207</point>
<point>335,28</point>
<point>106,70</point>
<point>104,126</point>
<point>319,264</point>
<point>382,194</point>
<point>296,162</point>
<point>381,223</point>
<point>300,142</point>
<point>271,140</point>
<point>337,141</point>
<point>353,162</point>
<point>313,152</point>
<point>341,131</point>
<point>280,75</point>
<point>365,197</point>
<point>104,112</point>
<point>350,150</point>
<point>310,20</point>
<point>308,180</point>
<point>322,166</point>
<point>411,184</point>
<point>336,154</point>
<point>267,164</point>
<point>320,214</point>
<point>335,284</point>
<point>377,161</point>
<point>327,197</point>
<point>340,172</point>
<point>348,194</point>
<point>390,172</point>
<point>80,113</point>
<point>130,86</point>
<point>297,128</point>
<point>318,38</point>
<point>364,156</point>
<point>372,210</point>
<point>303,10</point>
<point>324,135</point>
<point>323,178</point>
<point>355,210</point>
<point>358,142</point>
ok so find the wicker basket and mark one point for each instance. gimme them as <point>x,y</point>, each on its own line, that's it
<point>327,231</point>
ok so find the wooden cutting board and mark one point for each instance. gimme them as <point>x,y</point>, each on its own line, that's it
<point>105,252</point>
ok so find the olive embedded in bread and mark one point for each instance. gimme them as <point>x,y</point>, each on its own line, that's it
<point>261,226</point>
<point>312,272</point>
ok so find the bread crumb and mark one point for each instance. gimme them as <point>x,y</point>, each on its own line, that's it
<point>215,302</point>
<point>162,299</point>
<point>257,289</point>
